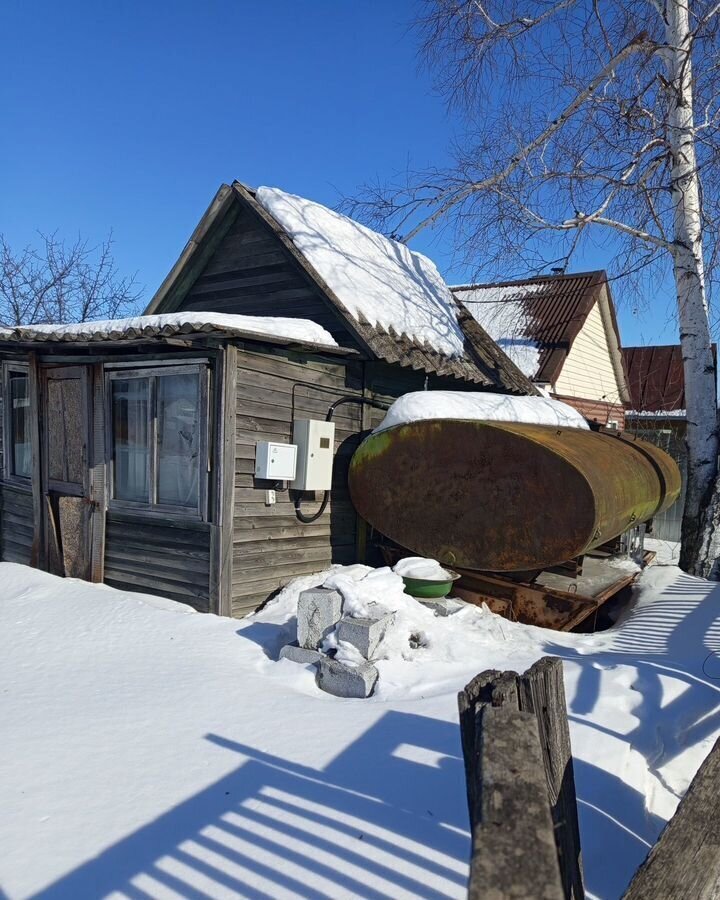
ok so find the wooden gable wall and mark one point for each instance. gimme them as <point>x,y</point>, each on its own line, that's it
<point>252,273</point>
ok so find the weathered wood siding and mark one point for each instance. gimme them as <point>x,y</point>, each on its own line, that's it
<point>161,556</point>
<point>270,545</point>
<point>16,524</point>
<point>251,273</point>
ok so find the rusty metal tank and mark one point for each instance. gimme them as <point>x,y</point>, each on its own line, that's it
<point>506,496</point>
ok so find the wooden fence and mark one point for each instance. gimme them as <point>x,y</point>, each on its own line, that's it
<point>523,809</point>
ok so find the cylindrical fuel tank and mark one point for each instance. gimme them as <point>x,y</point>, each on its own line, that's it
<point>505,496</point>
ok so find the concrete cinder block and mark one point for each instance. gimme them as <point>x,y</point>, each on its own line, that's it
<point>300,654</point>
<point>319,611</point>
<point>336,678</point>
<point>364,634</point>
<point>444,606</point>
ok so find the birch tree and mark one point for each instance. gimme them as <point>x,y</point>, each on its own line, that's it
<point>585,120</point>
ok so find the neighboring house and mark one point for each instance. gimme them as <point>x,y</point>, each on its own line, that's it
<point>657,414</point>
<point>130,446</point>
<point>561,330</point>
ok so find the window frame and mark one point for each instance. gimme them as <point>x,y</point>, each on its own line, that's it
<point>9,476</point>
<point>151,374</point>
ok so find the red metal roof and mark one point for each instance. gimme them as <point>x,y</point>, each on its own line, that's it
<point>554,314</point>
<point>655,377</point>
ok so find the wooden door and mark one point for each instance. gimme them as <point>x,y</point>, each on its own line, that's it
<point>66,444</point>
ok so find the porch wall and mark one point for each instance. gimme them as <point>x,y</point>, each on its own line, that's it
<point>170,558</point>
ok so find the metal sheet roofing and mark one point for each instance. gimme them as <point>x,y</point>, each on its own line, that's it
<point>553,310</point>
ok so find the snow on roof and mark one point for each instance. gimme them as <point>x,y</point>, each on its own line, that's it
<point>484,407</point>
<point>503,313</point>
<point>655,414</point>
<point>374,277</point>
<point>301,330</point>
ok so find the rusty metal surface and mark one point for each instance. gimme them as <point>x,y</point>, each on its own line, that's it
<point>506,497</point>
<point>525,603</point>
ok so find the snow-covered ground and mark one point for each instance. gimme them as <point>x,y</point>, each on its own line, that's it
<point>149,751</point>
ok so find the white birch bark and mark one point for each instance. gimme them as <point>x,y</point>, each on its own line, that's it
<point>698,549</point>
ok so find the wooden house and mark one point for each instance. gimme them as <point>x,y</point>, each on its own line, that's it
<point>562,332</point>
<point>129,447</point>
<point>657,414</point>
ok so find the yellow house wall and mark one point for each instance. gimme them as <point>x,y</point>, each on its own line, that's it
<point>588,370</point>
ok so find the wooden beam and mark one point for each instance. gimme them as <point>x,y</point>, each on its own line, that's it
<point>221,562</point>
<point>513,851</point>
<point>539,693</point>
<point>685,862</point>
<point>37,556</point>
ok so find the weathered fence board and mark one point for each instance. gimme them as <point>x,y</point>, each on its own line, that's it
<point>513,843</point>
<point>540,694</point>
<point>685,862</point>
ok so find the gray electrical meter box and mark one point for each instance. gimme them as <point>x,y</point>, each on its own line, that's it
<point>315,441</point>
<point>275,462</point>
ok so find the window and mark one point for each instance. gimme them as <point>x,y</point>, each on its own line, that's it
<point>158,425</point>
<point>17,423</point>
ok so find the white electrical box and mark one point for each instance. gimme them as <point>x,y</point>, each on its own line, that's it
<point>275,462</point>
<point>315,441</point>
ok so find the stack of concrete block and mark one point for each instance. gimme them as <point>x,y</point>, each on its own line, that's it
<point>320,611</point>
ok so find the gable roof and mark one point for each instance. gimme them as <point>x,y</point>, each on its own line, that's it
<point>536,320</point>
<point>320,242</point>
<point>656,378</point>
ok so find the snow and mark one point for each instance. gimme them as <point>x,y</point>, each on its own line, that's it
<point>420,567</point>
<point>503,312</point>
<point>484,407</point>
<point>374,277</point>
<point>272,326</point>
<point>156,752</point>
<point>656,413</point>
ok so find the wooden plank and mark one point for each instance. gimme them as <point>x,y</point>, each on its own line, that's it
<point>199,603</point>
<point>37,555</point>
<point>153,584</point>
<point>513,851</point>
<point>73,523</point>
<point>685,861</point>
<point>222,582</point>
<point>98,487</point>
<point>167,572</point>
<point>539,692</point>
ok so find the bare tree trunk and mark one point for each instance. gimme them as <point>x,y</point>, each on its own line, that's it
<point>698,550</point>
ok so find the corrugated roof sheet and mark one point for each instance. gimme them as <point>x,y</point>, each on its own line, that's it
<point>554,310</point>
<point>294,332</point>
<point>483,362</point>
<point>655,378</point>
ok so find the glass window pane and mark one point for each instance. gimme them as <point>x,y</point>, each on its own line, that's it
<point>131,448</point>
<point>20,451</point>
<point>178,437</point>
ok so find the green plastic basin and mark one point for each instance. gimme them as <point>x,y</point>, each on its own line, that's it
<point>426,589</point>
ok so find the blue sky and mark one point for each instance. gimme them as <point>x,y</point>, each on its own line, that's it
<point>129,115</point>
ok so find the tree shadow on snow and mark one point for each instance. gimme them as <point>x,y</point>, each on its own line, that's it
<point>384,819</point>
